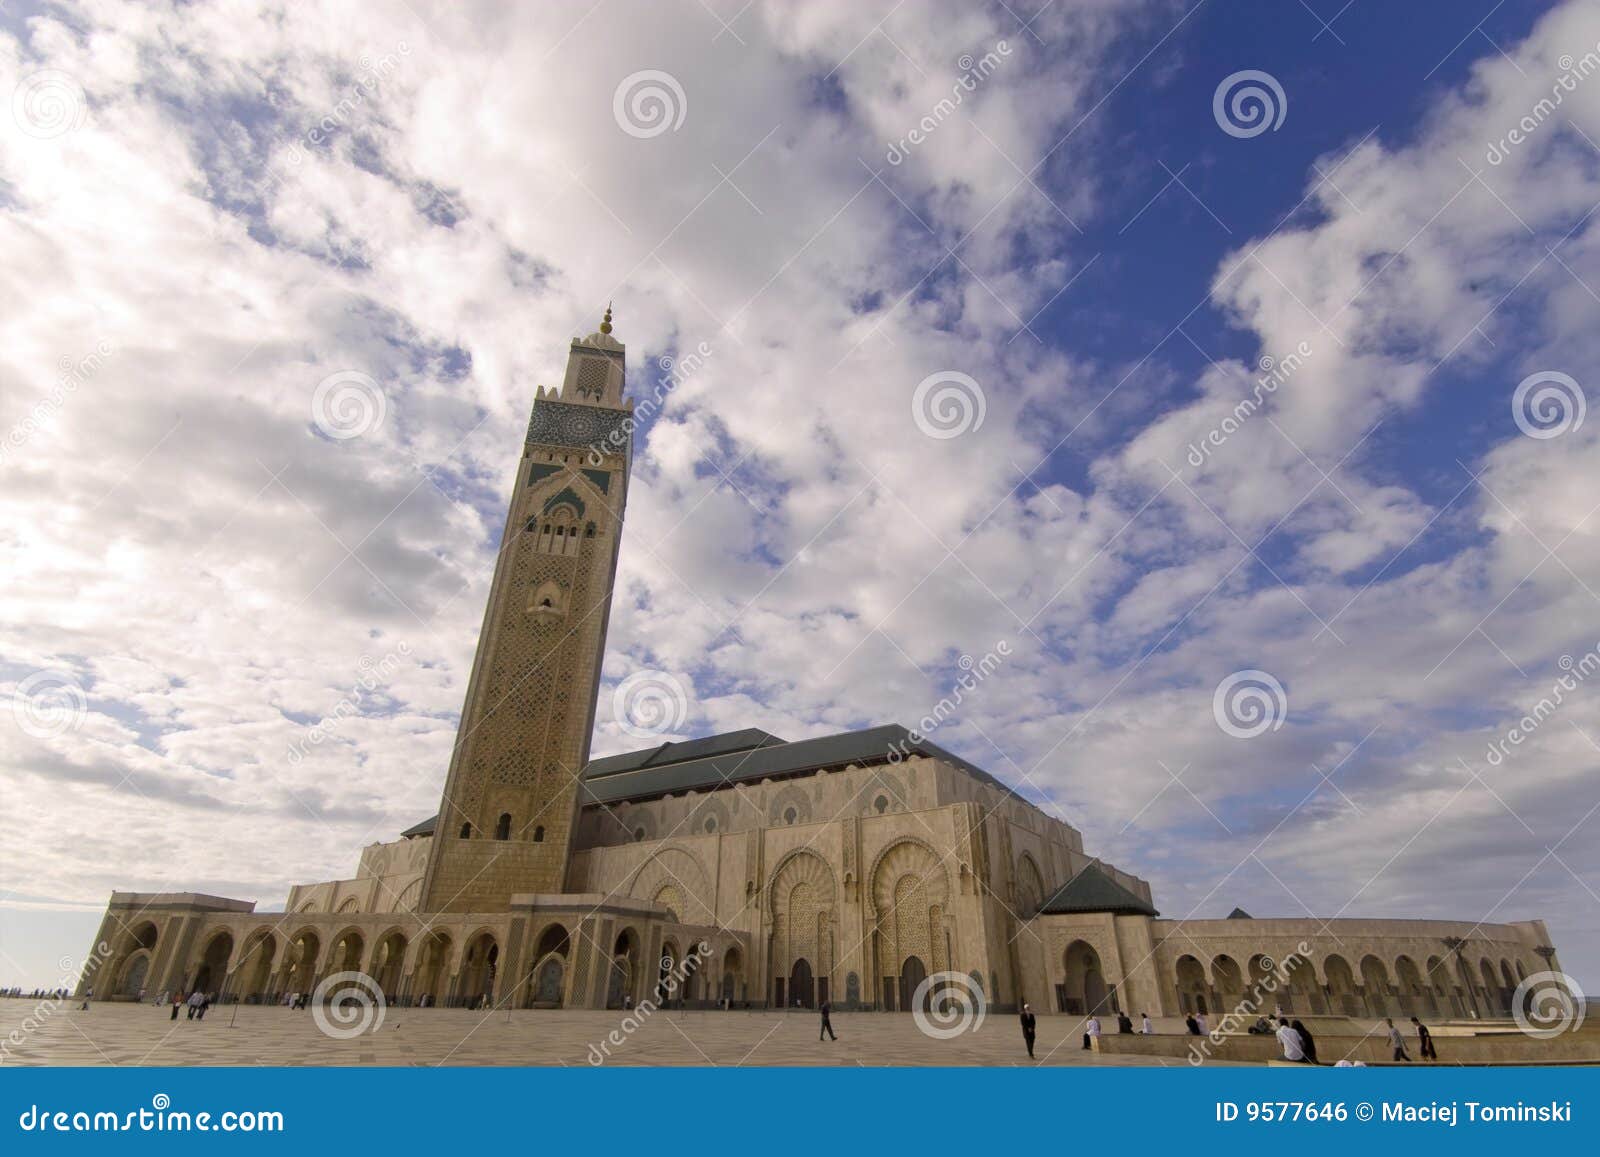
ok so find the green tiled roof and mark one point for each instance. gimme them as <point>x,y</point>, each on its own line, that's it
<point>738,757</point>
<point>1091,890</point>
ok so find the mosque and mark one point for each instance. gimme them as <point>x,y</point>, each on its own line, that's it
<point>868,869</point>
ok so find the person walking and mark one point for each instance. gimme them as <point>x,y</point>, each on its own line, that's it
<point>196,999</point>
<point>205,1003</point>
<point>1290,1041</point>
<point>827,1026</point>
<point>1030,1028</point>
<point>1425,1048</point>
<point>1307,1045</point>
<point>1396,1041</point>
<point>177,1003</point>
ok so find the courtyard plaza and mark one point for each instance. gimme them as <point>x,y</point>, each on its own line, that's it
<point>144,1034</point>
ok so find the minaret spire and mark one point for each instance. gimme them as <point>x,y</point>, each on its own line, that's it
<point>605,324</point>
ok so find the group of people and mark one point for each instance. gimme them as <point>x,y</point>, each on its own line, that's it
<point>1397,1042</point>
<point>36,994</point>
<point>1293,1036</point>
<point>1091,1027</point>
<point>1298,1045</point>
<point>196,1002</point>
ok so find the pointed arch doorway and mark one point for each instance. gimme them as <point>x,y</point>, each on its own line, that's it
<point>912,973</point>
<point>802,986</point>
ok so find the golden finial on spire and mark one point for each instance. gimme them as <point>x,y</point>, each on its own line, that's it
<point>605,325</point>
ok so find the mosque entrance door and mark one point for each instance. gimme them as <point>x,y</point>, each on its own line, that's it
<point>801,985</point>
<point>912,973</point>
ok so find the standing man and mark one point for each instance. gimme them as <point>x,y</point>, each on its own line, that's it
<point>1091,1032</point>
<point>827,1026</point>
<point>1396,1041</point>
<point>1030,1028</point>
<point>1424,1041</point>
<point>196,1001</point>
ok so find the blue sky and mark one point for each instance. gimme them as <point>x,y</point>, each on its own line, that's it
<point>208,218</point>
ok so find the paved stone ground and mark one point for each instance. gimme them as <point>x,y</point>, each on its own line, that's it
<point>131,1034</point>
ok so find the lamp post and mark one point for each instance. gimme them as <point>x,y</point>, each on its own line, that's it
<point>1455,944</point>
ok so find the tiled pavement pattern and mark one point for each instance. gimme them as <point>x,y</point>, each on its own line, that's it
<point>129,1034</point>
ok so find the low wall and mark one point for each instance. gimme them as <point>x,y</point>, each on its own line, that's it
<point>1484,1047</point>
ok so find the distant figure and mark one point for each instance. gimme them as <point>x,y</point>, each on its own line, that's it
<point>627,1001</point>
<point>1308,1045</point>
<point>1261,1026</point>
<point>1192,1025</point>
<point>827,1026</point>
<point>1424,1041</point>
<point>1091,1032</point>
<point>1291,1042</point>
<point>87,997</point>
<point>177,1003</point>
<point>1144,1024</point>
<point>1124,1022</point>
<point>205,1003</point>
<point>196,1000</point>
<point>1205,1026</point>
<point>1396,1041</point>
<point>1030,1028</point>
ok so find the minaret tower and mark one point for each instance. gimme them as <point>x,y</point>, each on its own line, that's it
<point>511,799</point>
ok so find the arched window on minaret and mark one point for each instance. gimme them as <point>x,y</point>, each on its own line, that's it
<point>502,829</point>
<point>548,598</point>
<point>466,831</point>
<point>559,531</point>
